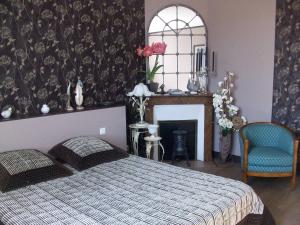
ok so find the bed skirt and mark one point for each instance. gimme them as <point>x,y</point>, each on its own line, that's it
<point>253,219</point>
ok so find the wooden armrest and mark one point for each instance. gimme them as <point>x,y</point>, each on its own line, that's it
<point>246,152</point>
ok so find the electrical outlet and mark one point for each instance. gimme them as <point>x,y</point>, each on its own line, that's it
<point>102,131</point>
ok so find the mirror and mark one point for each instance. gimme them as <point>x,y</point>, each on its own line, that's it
<point>184,32</point>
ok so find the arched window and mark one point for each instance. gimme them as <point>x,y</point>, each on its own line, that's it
<point>184,31</point>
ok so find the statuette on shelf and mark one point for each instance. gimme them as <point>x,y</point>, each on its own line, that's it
<point>69,108</point>
<point>79,95</point>
<point>6,113</point>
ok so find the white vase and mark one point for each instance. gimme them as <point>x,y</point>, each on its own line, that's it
<point>152,128</point>
<point>45,109</point>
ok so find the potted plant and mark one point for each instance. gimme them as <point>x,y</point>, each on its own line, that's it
<point>156,49</point>
<point>227,115</point>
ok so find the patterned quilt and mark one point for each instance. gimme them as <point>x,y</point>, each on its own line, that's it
<point>131,191</point>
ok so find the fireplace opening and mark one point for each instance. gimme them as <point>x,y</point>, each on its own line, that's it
<point>166,129</point>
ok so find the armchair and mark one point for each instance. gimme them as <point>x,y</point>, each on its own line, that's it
<point>268,150</point>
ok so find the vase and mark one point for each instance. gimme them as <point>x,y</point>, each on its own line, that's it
<point>153,86</point>
<point>225,146</point>
<point>45,109</point>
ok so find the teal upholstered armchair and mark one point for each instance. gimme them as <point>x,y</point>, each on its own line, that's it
<point>268,150</point>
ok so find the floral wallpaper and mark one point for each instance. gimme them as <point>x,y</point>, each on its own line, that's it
<point>45,43</point>
<point>286,97</point>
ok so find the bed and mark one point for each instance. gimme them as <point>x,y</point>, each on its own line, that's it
<point>133,191</point>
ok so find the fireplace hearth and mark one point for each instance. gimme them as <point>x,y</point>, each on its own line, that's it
<point>166,131</point>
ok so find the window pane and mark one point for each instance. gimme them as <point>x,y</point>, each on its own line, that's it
<point>173,25</point>
<point>185,14</point>
<point>156,25</point>
<point>170,81</point>
<point>152,62</point>
<point>181,24</point>
<point>199,30</point>
<point>171,42</point>
<point>170,63</point>
<point>152,39</point>
<point>185,44</point>
<point>196,22</point>
<point>159,79</point>
<point>186,31</point>
<point>184,63</point>
<point>182,81</point>
<point>168,14</point>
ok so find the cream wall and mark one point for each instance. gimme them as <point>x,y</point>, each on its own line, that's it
<point>242,32</point>
<point>44,132</point>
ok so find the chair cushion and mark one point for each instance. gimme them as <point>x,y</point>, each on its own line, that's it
<point>269,157</point>
<point>270,169</point>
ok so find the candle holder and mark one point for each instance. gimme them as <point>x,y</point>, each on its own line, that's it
<point>203,80</point>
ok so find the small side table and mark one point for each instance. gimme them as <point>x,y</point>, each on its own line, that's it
<point>135,130</point>
<point>152,142</point>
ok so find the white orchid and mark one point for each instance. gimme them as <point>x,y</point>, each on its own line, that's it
<point>232,110</point>
<point>226,112</point>
<point>244,119</point>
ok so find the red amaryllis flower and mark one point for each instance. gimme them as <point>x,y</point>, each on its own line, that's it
<point>147,51</point>
<point>159,48</point>
<point>139,51</point>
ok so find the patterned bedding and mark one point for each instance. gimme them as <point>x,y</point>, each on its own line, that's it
<point>131,191</point>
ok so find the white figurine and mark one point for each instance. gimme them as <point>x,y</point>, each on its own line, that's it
<point>78,95</point>
<point>6,113</point>
<point>69,107</point>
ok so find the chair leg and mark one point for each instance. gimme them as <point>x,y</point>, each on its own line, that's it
<point>293,182</point>
<point>245,177</point>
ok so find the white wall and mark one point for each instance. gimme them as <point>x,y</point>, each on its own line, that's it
<point>242,32</point>
<point>44,132</point>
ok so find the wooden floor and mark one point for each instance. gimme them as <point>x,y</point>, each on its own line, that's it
<point>283,203</point>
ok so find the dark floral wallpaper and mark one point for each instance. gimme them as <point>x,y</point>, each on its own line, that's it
<point>44,43</point>
<point>286,97</point>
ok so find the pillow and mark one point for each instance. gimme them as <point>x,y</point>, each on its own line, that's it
<point>85,152</point>
<point>25,167</point>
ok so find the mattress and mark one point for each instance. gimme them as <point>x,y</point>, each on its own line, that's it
<point>133,191</point>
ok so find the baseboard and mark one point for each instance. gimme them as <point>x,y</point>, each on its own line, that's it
<point>234,158</point>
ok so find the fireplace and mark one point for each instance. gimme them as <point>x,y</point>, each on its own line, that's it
<point>186,108</point>
<point>165,131</point>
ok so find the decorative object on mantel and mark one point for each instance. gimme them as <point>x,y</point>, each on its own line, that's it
<point>176,92</point>
<point>142,93</point>
<point>227,115</point>
<point>45,109</point>
<point>6,113</point>
<point>157,48</point>
<point>203,80</point>
<point>199,80</point>
<point>78,95</point>
<point>69,108</point>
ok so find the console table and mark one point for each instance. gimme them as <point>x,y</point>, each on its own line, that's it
<point>204,99</point>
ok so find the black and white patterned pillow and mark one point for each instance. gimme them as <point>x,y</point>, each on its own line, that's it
<point>24,167</point>
<point>84,146</point>
<point>85,152</point>
<point>20,161</point>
